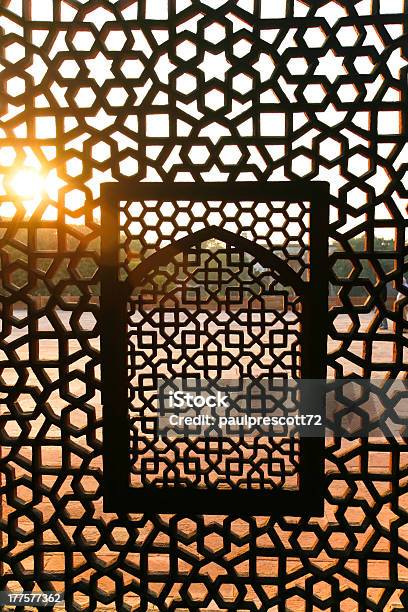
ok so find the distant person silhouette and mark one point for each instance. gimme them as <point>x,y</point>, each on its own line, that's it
<point>383,296</point>
<point>401,296</point>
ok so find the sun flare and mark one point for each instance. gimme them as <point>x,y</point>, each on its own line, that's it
<point>28,184</point>
<point>32,186</point>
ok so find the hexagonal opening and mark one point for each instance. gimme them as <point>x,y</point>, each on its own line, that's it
<point>214,33</point>
<point>186,83</point>
<point>101,151</point>
<point>186,50</point>
<point>15,86</point>
<point>132,68</point>
<point>242,83</point>
<point>358,164</point>
<point>115,40</point>
<point>85,97</point>
<point>83,41</point>
<point>14,52</point>
<point>198,154</point>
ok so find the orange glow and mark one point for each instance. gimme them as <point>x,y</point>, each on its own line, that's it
<point>31,186</point>
<point>28,184</point>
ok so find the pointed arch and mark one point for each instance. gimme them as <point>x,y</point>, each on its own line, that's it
<point>286,275</point>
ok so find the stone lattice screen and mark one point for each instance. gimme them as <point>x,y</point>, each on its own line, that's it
<point>203,91</point>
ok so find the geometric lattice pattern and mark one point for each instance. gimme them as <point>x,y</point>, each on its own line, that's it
<point>212,312</point>
<point>223,328</point>
<point>188,90</point>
